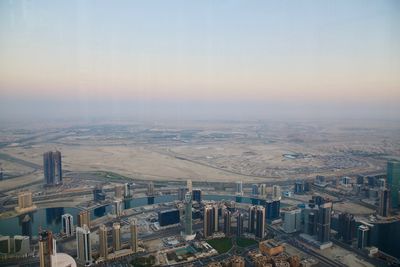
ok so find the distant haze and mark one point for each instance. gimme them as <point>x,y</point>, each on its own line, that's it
<point>199,59</point>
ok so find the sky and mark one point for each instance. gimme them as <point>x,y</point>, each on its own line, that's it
<point>231,59</point>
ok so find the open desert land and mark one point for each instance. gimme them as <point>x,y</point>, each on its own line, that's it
<point>211,151</point>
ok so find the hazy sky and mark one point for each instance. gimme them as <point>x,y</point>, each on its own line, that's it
<point>184,57</point>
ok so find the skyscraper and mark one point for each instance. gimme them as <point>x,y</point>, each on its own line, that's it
<point>239,224</point>
<point>260,222</point>
<point>134,236</point>
<point>119,191</point>
<point>384,202</point>
<point>263,190</point>
<point>197,195</point>
<point>116,235</point>
<point>239,188</point>
<point>52,168</point>
<point>276,192</point>
<point>273,209</point>
<point>83,245</point>
<point>189,185</point>
<point>84,218</point>
<point>188,214</point>
<point>291,219</point>
<point>181,193</point>
<point>216,217</point>
<point>324,222</point>
<point>150,189</point>
<point>103,242</point>
<point>46,248</point>
<point>347,225</point>
<point>208,223</point>
<point>25,202</point>
<point>67,223</point>
<point>362,236</point>
<point>252,219</point>
<point>227,222</point>
<point>254,189</point>
<point>393,181</point>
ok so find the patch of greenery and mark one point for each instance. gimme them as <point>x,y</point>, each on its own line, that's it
<point>144,261</point>
<point>245,242</point>
<point>222,245</point>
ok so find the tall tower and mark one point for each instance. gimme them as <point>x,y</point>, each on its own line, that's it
<point>384,202</point>
<point>116,234</point>
<point>276,192</point>
<point>46,248</point>
<point>239,188</point>
<point>260,222</point>
<point>103,241</point>
<point>84,218</point>
<point>67,221</point>
<point>362,236</point>
<point>252,219</point>
<point>134,236</point>
<point>393,181</point>
<point>208,221</point>
<point>324,222</point>
<point>216,218</point>
<point>150,189</point>
<point>119,191</point>
<point>189,185</point>
<point>227,222</point>
<point>188,214</point>
<point>83,245</point>
<point>239,225</point>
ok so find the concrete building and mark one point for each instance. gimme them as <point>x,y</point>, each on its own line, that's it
<point>227,222</point>
<point>21,245</point>
<point>276,192</point>
<point>83,245</point>
<point>384,207</point>
<point>150,189</point>
<point>270,247</point>
<point>119,192</point>
<point>291,220</point>
<point>25,202</point>
<point>393,181</point>
<point>262,190</point>
<point>239,188</point>
<point>118,209</point>
<point>52,168</point>
<point>260,222</point>
<point>5,245</point>
<point>67,224</point>
<point>84,218</point>
<point>103,241</point>
<point>127,190</point>
<point>46,248</point>
<point>189,185</point>
<point>134,236</point>
<point>188,214</point>
<point>116,235</point>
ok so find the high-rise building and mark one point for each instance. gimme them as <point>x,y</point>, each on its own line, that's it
<point>262,190</point>
<point>347,226</point>
<point>83,245</point>
<point>360,179</point>
<point>168,217</point>
<point>116,235</point>
<point>254,189</point>
<point>25,202</point>
<point>260,222</point>
<point>208,223</point>
<point>118,207</point>
<point>21,245</point>
<point>239,188</point>
<point>189,185</point>
<point>393,181</point>
<point>103,241</point>
<point>216,218</point>
<point>273,209</point>
<point>84,218</point>
<point>188,214</point>
<point>127,190</point>
<point>5,244</point>
<point>46,248</point>
<point>181,193</point>
<point>150,189</point>
<point>52,168</point>
<point>252,219</point>
<point>134,236</point>
<point>276,192</point>
<point>67,223</point>
<point>197,195</point>
<point>324,222</point>
<point>299,187</point>
<point>98,194</point>
<point>119,191</point>
<point>291,220</point>
<point>384,202</point>
<point>239,224</point>
<point>362,236</point>
<point>227,222</point>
